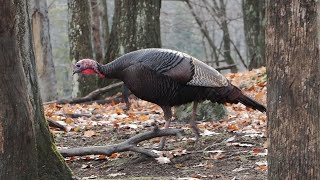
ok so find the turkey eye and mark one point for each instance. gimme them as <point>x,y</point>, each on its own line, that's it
<point>78,65</point>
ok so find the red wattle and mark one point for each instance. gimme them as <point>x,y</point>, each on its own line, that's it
<point>88,71</point>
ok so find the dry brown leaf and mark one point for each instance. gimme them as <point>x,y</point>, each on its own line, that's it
<point>69,120</point>
<point>114,155</point>
<point>233,127</point>
<point>259,96</point>
<point>89,133</point>
<point>263,168</point>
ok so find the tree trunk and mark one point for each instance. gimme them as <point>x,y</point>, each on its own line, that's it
<point>254,30</point>
<point>42,50</point>
<point>226,37</point>
<point>81,43</point>
<point>104,26</point>
<point>26,146</point>
<point>17,136</point>
<point>293,90</point>
<point>136,25</point>
<point>96,31</point>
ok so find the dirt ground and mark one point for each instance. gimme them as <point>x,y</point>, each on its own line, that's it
<point>212,157</point>
<point>229,149</point>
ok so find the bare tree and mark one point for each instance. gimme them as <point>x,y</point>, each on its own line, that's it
<point>96,29</point>
<point>42,50</point>
<point>218,14</point>
<point>293,89</point>
<point>136,25</point>
<point>254,30</point>
<point>81,42</point>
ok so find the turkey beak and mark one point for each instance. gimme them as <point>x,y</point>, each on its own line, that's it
<point>75,70</point>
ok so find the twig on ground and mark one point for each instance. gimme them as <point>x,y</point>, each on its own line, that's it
<point>90,97</point>
<point>128,145</point>
<point>55,124</point>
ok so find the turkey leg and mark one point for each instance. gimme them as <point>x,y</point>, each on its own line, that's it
<point>167,116</point>
<point>192,121</point>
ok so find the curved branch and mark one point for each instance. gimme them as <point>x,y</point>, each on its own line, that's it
<point>90,97</point>
<point>128,145</point>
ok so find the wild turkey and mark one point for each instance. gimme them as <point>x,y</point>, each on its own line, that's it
<point>169,78</point>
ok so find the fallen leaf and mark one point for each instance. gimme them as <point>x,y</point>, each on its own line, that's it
<point>259,96</point>
<point>208,133</point>
<point>116,174</point>
<point>114,155</point>
<point>239,169</point>
<point>89,133</point>
<point>163,160</point>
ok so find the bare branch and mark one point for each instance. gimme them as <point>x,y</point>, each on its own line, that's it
<point>128,145</point>
<point>90,97</point>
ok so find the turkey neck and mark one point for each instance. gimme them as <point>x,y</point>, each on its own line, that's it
<point>112,70</point>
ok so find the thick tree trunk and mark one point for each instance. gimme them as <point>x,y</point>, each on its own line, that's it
<point>17,134</point>
<point>254,29</point>
<point>81,43</point>
<point>42,50</point>
<point>26,146</point>
<point>293,90</point>
<point>136,25</point>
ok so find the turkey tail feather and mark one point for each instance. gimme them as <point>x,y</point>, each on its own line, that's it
<point>247,101</point>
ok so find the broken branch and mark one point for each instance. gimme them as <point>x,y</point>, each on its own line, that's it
<point>128,145</point>
<point>90,97</point>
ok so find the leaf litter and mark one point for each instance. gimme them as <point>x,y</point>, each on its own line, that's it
<point>231,147</point>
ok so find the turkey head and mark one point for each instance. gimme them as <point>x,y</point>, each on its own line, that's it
<point>87,66</point>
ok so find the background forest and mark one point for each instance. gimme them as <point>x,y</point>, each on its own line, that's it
<point>212,31</point>
<point>56,125</point>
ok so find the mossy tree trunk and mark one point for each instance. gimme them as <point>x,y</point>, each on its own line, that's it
<point>27,150</point>
<point>80,38</point>
<point>254,30</point>
<point>293,68</point>
<point>136,25</point>
<point>17,133</point>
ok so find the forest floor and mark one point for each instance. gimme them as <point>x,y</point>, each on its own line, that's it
<point>231,148</point>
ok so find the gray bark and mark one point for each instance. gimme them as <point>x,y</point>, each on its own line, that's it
<point>293,69</point>
<point>42,50</point>
<point>17,133</point>
<point>136,25</point>
<point>81,43</point>
<point>254,29</point>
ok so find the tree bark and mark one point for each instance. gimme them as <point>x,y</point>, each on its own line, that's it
<point>17,134</point>
<point>42,50</point>
<point>51,164</point>
<point>81,43</point>
<point>293,90</point>
<point>136,25</point>
<point>254,30</point>
<point>26,146</point>
<point>96,31</point>
<point>104,26</point>
<point>226,37</point>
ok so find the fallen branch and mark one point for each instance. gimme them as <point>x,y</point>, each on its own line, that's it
<point>128,145</point>
<point>225,67</point>
<point>55,124</point>
<point>90,97</point>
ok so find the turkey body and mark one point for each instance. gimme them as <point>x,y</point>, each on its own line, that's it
<point>170,78</point>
